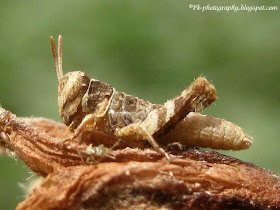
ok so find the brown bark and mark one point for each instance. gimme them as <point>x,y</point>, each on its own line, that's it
<point>131,178</point>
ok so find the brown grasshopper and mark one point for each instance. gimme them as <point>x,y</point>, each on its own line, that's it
<point>89,105</point>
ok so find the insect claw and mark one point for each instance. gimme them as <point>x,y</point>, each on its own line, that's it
<point>166,155</point>
<point>63,142</point>
<point>110,156</point>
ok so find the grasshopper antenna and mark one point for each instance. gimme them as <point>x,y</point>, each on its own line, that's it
<point>57,56</point>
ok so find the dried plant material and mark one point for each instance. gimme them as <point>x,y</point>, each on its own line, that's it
<point>46,154</point>
<point>6,148</point>
<point>52,128</point>
<point>182,184</point>
<point>37,142</point>
<point>139,178</point>
<point>30,185</point>
<point>206,131</point>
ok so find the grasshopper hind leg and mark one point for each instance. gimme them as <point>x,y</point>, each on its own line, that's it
<point>154,144</point>
<point>198,95</point>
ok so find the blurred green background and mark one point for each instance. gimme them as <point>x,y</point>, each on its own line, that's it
<point>151,49</point>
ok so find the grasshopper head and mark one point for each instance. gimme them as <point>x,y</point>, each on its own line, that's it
<point>71,88</point>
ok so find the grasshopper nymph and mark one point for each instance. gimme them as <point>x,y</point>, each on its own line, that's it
<point>89,105</point>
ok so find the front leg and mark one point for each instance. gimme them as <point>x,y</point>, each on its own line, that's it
<point>88,124</point>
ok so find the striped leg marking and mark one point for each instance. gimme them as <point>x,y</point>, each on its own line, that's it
<point>197,96</point>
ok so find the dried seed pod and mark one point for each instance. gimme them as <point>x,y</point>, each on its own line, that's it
<point>206,131</point>
<point>193,179</point>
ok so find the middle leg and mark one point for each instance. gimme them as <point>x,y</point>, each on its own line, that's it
<point>137,131</point>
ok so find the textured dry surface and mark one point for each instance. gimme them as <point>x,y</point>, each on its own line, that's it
<point>184,183</point>
<point>132,178</point>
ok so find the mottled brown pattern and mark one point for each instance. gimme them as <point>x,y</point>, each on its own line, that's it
<point>116,110</point>
<point>96,109</point>
<point>97,98</point>
<point>127,109</point>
